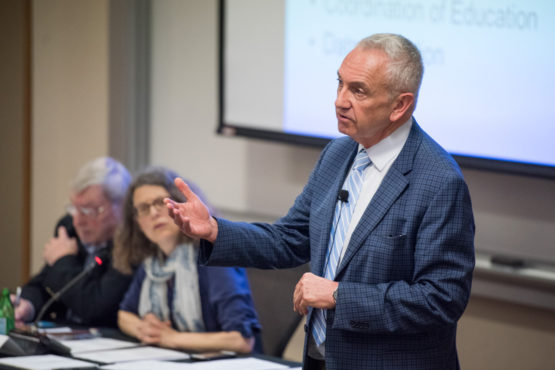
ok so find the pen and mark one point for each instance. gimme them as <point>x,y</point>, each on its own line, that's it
<point>17,296</point>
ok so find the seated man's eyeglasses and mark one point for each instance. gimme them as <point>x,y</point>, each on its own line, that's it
<point>91,212</point>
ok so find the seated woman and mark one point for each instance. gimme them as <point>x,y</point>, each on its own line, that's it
<point>173,302</point>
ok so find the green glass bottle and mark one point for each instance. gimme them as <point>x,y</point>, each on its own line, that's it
<point>7,316</point>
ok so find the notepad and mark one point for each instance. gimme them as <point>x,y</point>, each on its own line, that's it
<point>249,363</point>
<point>96,344</point>
<point>228,364</point>
<point>146,365</point>
<point>45,362</point>
<point>132,354</point>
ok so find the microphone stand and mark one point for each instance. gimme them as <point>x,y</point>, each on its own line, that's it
<point>33,342</point>
<point>58,294</point>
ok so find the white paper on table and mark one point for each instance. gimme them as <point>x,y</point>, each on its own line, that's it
<point>227,364</point>
<point>44,362</point>
<point>147,365</point>
<point>249,363</point>
<point>3,339</point>
<point>56,330</point>
<point>133,354</point>
<point>96,344</point>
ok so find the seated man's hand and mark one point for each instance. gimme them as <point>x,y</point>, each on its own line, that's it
<point>24,310</point>
<point>59,247</point>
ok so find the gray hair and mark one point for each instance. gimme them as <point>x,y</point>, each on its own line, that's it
<point>406,68</point>
<point>105,171</point>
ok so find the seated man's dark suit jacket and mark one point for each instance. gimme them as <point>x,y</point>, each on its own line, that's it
<point>94,300</point>
<point>406,274</point>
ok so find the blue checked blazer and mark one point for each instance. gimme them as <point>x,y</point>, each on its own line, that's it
<point>406,275</point>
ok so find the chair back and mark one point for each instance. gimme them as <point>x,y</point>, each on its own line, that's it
<point>272,292</point>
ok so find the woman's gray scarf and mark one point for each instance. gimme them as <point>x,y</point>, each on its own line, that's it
<point>182,263</point>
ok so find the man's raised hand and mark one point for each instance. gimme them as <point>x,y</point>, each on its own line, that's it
<point>192,216</point>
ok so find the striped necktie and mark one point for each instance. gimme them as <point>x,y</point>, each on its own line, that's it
<point>342,219</point>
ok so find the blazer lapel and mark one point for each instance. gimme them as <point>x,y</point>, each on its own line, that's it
<point>390,189</point>
<point>343,158</point>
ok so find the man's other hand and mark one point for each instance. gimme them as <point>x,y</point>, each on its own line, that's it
<point>59,247</point>
<point>313,291</point>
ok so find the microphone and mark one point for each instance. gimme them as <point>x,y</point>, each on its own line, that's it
<point>97,261</point>
<point>343,196</point>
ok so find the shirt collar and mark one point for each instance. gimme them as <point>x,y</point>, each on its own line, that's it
<point>388,148</point>
<point>92,248</point>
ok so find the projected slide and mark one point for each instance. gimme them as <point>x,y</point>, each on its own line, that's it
<point>488,81</point>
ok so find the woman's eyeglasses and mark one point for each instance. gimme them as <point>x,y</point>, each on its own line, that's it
<point>143,209</point>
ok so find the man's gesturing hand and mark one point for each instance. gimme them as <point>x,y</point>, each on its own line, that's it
<point>192,217</point>
<point>313,291</point>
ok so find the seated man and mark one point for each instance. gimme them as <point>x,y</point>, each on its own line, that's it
<point>97,193</point>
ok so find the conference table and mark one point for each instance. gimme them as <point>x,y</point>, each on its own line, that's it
<point>108,348</point>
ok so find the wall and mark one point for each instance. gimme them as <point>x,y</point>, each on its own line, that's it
<point>14,141</point>
<point>515,214</point>
<point>258,180</point>
<point>496,335</point>
<point>237,174</point>
<point>70,104</point>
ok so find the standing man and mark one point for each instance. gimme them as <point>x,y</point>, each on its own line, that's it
<point>385,220</point>
<point>97,193</point>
